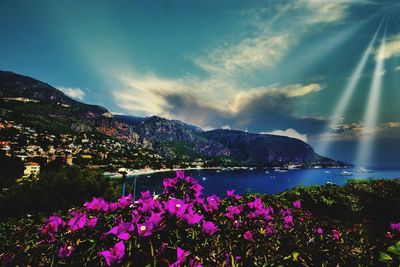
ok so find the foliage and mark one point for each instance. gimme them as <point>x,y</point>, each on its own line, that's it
<point>183,228</point>
<point>11,169</point>
<point>58,187</point>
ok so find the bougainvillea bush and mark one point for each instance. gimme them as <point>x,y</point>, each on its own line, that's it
<point>182,227</point>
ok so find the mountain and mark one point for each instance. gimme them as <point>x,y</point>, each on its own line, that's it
<point>37,104</point>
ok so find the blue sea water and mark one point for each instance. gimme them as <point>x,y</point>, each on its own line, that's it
<point>259,181</point>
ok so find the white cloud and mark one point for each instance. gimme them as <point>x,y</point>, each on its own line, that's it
<point>397,68</point>
<point>73,92</point>
<point>245,97</point>
<point>289,133</point>
<point>392,49</point>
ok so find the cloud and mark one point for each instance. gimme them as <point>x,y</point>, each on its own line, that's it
<point>73,92</point>
<point>392,49</point>
<point>289,133</point>
<point>223,95</point>
<point>397,68</point>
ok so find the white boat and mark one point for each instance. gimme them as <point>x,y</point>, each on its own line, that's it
<point>317,167</point>
<point>364,170</point>
<point>327,172</point>
<point>346,173</point>
<point>203,178</point>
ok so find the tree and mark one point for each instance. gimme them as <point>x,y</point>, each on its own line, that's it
<point>11,168</point>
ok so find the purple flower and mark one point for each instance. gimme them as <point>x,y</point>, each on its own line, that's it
<point>230,193</point>
<point>145,229</point>
<point>97,204</point>
<point>78,221</point>
<point>53,224</point>
<point>288,221</point>
<point>192,217</point>
<point>122,230</point>
<point>320,231</point>
<point>209,228</point>
<point>336,234</point>
<point>248,236</point>
<point>232,211</point>
<point>395,226</point>
<point>297,204</point>
<point>175,207</point>
<point>91,223</point>
<point>115,254</point>
<point>156,218</point>
<point>180,174</point>
<point>180,257</point>
<point>256,204</point>
<point>125,201</point>
<point>65,251</point>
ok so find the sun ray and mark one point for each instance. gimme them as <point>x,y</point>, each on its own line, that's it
<point>343,103</point>
<point>368,132</point>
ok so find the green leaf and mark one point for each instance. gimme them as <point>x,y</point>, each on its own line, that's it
<point>394,250</point>
<point>384,257</point>
<point>295,255</point>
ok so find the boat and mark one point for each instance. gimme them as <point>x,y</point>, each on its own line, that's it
<point>364,170</point>
<point>218,171</point>
<point>317,167</point>
<point>203,178</point>
<point>346,173</point>
<point>327,172</point>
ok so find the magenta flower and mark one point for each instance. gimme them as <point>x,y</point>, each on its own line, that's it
<point>175,207</point>
<point>91,223</point>
<point>122,230</point>
<point>180,257</point>
<point>53,224</point>
<point>232,211</point>
<point>297,204</point>
<point>256,204</point>
<point>389,235</point>
<point>395,226</point>
<point>115,254</point>
<point>156,218</point>
<point>230,193</point>
<point>336,234</point>
<point>145,229</point>
<point>65,251</point>
<point>320,231</point>
<point>209,228</point>
<point>288,221</point>
<point>78,221</point>
<point>125,201</point>
<point>192,217</point>
<point>248,236</point>
<point>180,174</point>
<point>97,204</point>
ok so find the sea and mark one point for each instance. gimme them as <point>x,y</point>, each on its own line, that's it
<point>259,180</point>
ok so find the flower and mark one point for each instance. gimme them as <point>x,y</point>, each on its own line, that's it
<point>248,236</point>
<point>232,211</point>
<point>395,226</point>
<point>192,217</point>
<point>336,234</point>
<point>77,221</point>
<point>320,231</point>
<point>115,254</point>
<point>145,229</point>
<point>97,204</point>
<point>389,235</point>
<point>125,201</point>
<point>297,204</point>
<point>209,228</point>
<point>175,207</point>
<point>180,257</point>
<point>122,230</point>
<point>256,204</point>
<point>288,221</point>
<point>65,251</point>
<point>230,193</point>
<point>91,223</point>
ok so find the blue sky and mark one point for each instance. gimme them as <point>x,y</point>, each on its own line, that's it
<point>263,66</point>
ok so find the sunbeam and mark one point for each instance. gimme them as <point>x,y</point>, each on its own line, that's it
<point>368,132</point>
<point>344,100</point>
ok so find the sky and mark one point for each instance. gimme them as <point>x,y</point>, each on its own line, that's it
<point>326,72</point>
